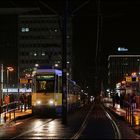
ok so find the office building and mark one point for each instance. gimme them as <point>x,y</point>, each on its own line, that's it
<point>40,42</point>
<point>120,66</point>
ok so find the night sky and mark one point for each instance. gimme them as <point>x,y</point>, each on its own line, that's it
<point>120,27</point>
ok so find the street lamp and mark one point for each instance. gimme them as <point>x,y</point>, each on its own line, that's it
<point>9,69</point>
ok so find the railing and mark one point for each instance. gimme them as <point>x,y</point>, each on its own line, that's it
<point>8,108</point>
<point>131,115</point>
<point>11,108</point>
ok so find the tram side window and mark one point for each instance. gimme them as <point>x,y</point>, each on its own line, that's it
<point>59,84</point>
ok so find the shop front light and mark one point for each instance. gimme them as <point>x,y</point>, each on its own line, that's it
<point>38,102</point>
<point>51,102</point>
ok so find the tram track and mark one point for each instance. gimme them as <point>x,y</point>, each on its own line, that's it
<point>83,126</point>
<point>114,125</point>
<point>115,128</point>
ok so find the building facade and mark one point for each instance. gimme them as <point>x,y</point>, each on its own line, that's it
<point>40,43</point>
<point>120,66</point>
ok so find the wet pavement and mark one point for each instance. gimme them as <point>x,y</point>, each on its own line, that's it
<point>43,128</point>
<point>75,122</point>
<point>123,117</point>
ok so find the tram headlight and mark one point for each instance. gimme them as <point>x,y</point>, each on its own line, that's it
<point>51,102</point>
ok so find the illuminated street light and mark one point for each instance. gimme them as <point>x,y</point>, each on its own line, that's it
<point>36,65</point>
<point>9,69</point>
<point>56,65</point>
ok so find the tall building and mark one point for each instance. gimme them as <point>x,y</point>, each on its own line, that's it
<point>120,66</point>
<point>40,42</point>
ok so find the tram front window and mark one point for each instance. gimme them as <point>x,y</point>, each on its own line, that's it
<point>45,86</point>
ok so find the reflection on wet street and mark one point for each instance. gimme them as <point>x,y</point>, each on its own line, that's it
<point>35,128</point>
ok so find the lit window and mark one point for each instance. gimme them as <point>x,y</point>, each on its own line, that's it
<point>35,54</point>
<point>43,54</point>
<point>27,29</point>
<point>55,30</point>
<point>23,29</point>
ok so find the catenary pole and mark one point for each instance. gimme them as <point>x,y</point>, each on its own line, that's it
<point>64,63</point>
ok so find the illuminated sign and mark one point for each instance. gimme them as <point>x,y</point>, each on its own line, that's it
<point>25,80</point>
<point>44,77</point>
<point>131,79</point>
<point>128,79</point>
<point>121,49</point>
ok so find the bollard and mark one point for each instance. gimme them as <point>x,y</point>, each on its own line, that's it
<point>126,116</point>
<point>21,107</point>
<point>10,115</point>
<point>129,115</point>
<point>5,117</point>
<point>132,113</point>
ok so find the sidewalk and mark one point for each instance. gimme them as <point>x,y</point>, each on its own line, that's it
<point>11,116</point>
<point>125,114</point>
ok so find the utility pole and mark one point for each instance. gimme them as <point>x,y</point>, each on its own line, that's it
<point>64,63</point>
<point>64,57</point>
<point>63,22</point>
<point>97,81</point>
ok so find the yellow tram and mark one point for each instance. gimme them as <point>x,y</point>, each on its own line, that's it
<point>47,92</point>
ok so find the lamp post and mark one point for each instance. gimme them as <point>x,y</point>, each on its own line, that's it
<point>9,69</point>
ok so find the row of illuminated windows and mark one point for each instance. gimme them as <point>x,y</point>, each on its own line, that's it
<point>27,29</point>
<point>39,45</point>
<point>131,59</point>
<point>39,53</point>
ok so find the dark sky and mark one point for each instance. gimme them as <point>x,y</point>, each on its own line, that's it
<point>120,27</point>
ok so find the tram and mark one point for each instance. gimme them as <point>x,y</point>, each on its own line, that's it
<point>47,92</point>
